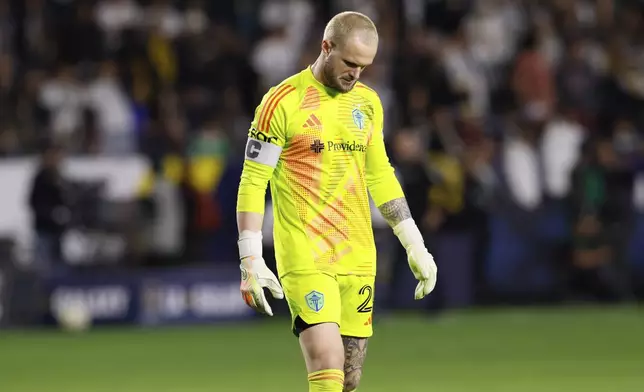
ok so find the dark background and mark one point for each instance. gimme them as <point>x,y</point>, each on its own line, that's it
<point>515,127</point>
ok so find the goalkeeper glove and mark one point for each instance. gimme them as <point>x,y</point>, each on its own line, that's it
<point>420,260</point>
<point>255,275</point>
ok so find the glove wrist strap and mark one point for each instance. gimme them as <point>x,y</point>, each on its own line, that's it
<point>408,233</point>
<point>250,244</point>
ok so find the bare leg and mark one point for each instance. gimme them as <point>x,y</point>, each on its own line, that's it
<point>355,351</point>
<point>322,347</point>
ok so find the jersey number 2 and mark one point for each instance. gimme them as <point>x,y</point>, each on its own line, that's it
<point>364,307</point>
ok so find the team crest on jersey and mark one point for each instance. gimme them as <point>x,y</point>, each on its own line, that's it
<point>358,118</point>
<point>315,300</point>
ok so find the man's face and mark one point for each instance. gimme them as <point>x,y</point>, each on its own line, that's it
<point>344,63</point>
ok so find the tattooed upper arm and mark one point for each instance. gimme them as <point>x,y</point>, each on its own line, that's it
<point>395,211</point>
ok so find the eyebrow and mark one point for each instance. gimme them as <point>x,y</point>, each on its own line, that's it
<point>352,64</point>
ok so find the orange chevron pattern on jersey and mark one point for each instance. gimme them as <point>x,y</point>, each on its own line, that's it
<point>322,218</point>
<point>268,110</point>
<point>327,187</point>
<point>311,100</point>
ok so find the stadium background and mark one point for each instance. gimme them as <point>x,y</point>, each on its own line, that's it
<point>516,129</point>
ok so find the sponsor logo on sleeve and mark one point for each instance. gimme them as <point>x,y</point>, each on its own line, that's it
<point>261,136</point>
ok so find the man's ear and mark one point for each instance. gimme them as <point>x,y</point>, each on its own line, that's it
<point>326,47</point>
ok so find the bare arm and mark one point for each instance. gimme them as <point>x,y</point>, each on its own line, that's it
<point>251,221</point>
<point>395,211</point>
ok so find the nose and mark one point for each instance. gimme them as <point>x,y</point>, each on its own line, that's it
<point>355,73</point>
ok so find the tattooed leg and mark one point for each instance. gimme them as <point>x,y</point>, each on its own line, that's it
<point>355,351</point>
<point>395,211</point>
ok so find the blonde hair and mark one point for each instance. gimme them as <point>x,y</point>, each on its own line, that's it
<point>345,24</point>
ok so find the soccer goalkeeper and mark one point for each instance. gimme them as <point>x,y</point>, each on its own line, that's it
<point>318,138</point>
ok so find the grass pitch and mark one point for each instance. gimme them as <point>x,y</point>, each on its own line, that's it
<point>536,350</point>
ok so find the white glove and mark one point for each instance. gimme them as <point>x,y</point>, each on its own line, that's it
<point>255,275</point>
<point>420,260</point>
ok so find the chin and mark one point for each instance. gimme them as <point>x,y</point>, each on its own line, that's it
<point>345,88</point>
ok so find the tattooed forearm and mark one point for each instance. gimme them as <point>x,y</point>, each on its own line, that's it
<point>395,211</point>
<point>355,351</point>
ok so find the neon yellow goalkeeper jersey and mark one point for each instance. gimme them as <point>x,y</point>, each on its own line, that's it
<point>322,151</point>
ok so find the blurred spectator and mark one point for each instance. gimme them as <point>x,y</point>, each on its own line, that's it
<point>196,19</point>
<point>203,168</point>
<point>561,149</point>
<point>466,74</point>
<point>32,117</point>
<point>532,80</point>
<point>594,268</point>
<point>64,98</point>
<point>161,54</point>
<point>578,83</point>
<point>547,39</point>
<point>286,24</point>
<point>164,18</point>
<point>490,31</point>
<point>594,275</point>
<point>487,105</point>
<point>116,16</point>
<point>50,211</point>
<point>411,160</point>
<point>115,117</point>
<point>410,157</point>
<point>274,57</point>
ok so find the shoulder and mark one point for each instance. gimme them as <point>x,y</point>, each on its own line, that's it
<point>278,95</point>
<point>368,93</point>
<point>280,102</point>
<point>289,91</point>
<point>373,108</point>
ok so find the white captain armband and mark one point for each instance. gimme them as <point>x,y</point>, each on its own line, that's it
<point>262,152</point>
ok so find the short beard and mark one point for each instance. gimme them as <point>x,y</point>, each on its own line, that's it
<point>331,80</point>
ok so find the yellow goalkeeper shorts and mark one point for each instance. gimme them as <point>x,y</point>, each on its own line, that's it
<point>318,297</point>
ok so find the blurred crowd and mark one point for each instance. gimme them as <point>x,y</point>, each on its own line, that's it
<point>516,125</point>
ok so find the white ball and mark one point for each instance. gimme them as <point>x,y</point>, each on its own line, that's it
<point>74,317</point>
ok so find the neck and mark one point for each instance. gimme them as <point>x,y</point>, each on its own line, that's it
<point>316,68</point>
